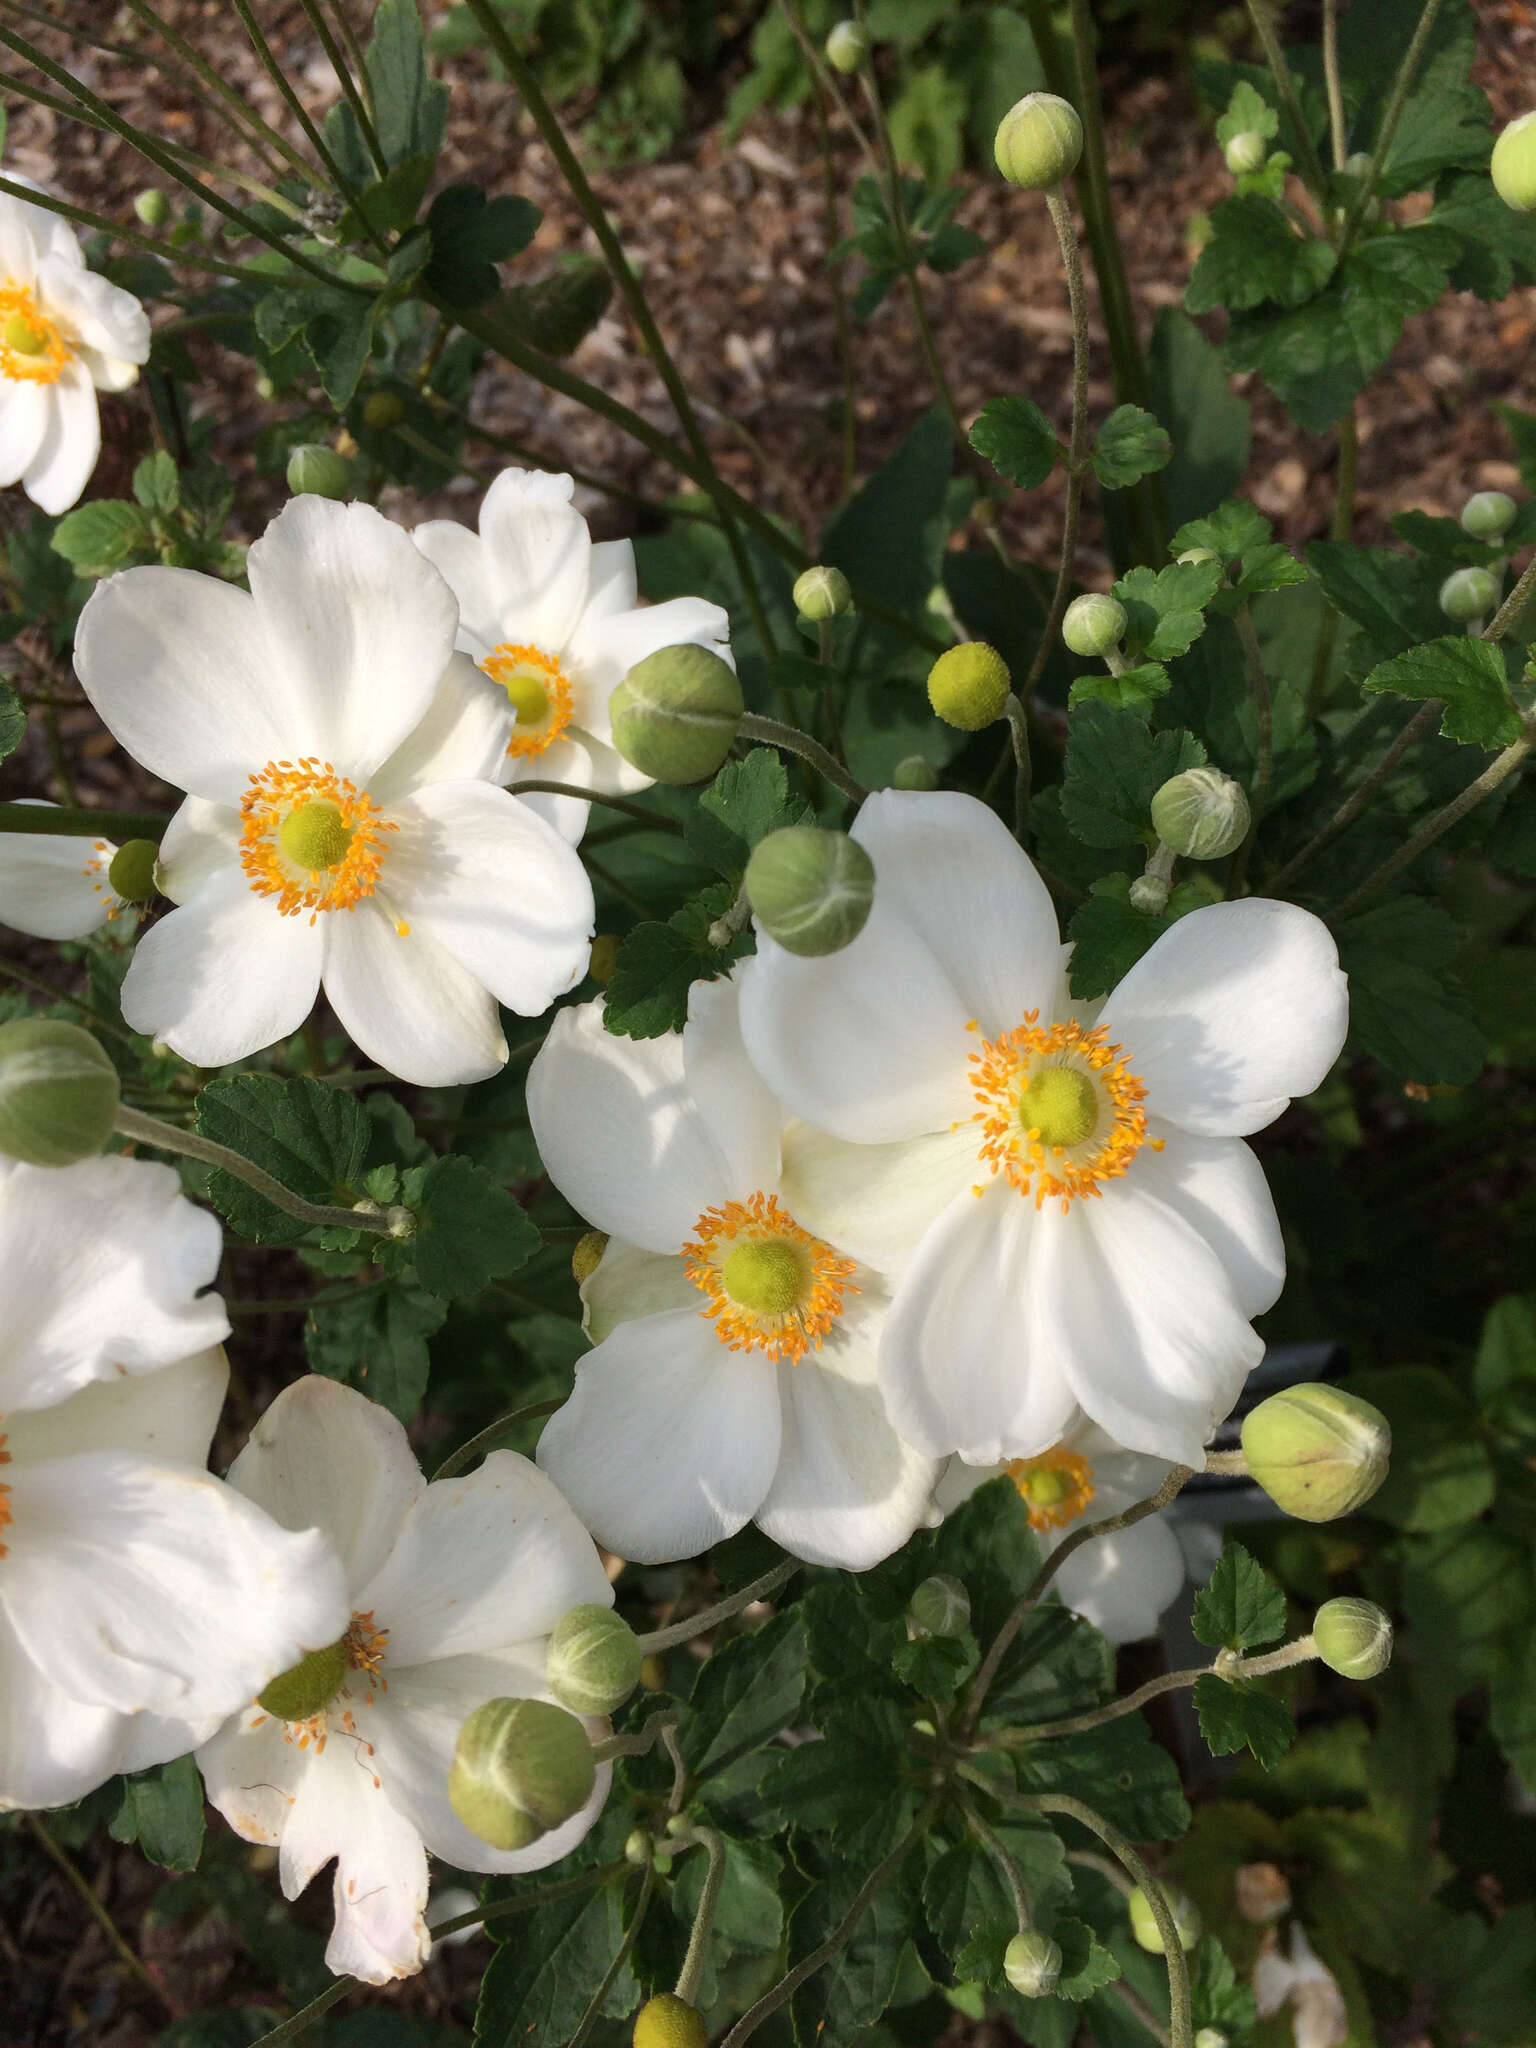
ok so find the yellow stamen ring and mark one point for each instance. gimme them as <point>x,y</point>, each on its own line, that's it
<point>310,838</point>
<point>33,349</point>
<point>769,1285</point>
<point>1056,1486</point>
<point>1046,1093</point>
<point>540,692</point>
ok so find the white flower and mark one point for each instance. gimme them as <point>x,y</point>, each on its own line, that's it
<point>341,830</point>
<point>141,1599</point>
<point>734,1376</point>
<point>454,1588</point>
<point>65,334</point>
<point>1078,1226</point>
<point>1120,1582</point>
<point>1319,2016</point>
<point>551,615</point>
<point>54,887</point>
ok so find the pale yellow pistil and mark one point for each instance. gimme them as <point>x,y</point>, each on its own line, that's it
<point>768,1285</point>
<point>1056,1487</point>
<point>539,692</point>
<point>33,348</point>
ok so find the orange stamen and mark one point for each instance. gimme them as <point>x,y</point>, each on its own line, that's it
<point>512,664</point>
<point>284,787</point>
<point>799,1329</point>
<point>1004,1067</point>
<point>1072,1498</point>
<point>45,350</point>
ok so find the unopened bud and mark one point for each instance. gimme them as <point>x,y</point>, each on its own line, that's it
<point>1466,594</point>
<point>1094,624</point>
<point>58,1092</point>
<point>1039,141</point>
<point>1149,894</point>
<point>969,685</point>
<point>1261,1891</point>
<point>1513,164</point>
<point>593,1661</point>
<point>520,1768</point>
<point>1353,1637</point>
<point>667,2021</point>
<point>822,593</point>
<point>1186,1921</point>
<point>131,870</point>
<point>585,1259</point>
<point>603,958</point>
<point>810,890</point>
<point>637,1848</point>
<point>914,771</point>
<point>1245,153</point>
<point>1032,1964</point>
<point>1201,814</point>
<point>308,1687</point>
<point>676,713</point>
<point>847,47</point>
<point>1488,515</point>
<point>152,207</point>
<point>383,410</point>
<point>653,1674</point>
<point>318,471</point>
<point>1318,1452</point>
<point>940,1606</point>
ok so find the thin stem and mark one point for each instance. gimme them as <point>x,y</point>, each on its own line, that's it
<point>835,276</point>
<point>1005,1863</point>
<point>1308,163</point>
<point>687,1987</point>
<point>297,2023</point>
<point>1421,722</point>
<point>264,138</point>
<point>634,1742</point>
<point>348,85</point>
<point>97,1910</point>
<point>593,2013</point>
<point>1340,526</point>
<point>1392,113</point>
<point>1077,448</point>
<point>1232,1464</point>
<point>697,1624</point>
<point>776,734</point>
<point>1018,734</point>
<point>1225,1666</point>
<point>597,796</point>
<point>1335,90</point>
<point>1090,1859</point>
<point>1513,605</point>
<point>60,995</point>
<point>290,98</point>
<point>1510,762</point>
<point>547,1895</point>
<point>1139,2010</point>
<point>64,821</point>
<point>485,1438</point>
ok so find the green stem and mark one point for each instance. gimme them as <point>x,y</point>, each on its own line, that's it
<point>290,98</point>
<point>298,2022</point>
<point>1331,82</point>
<point>593,2013</point>
<point>485,1438</point>
<point>83,217</point>
<point>699,1624</point>
<point>1513,605</point>
<point>634,1742</point>
<point>1018,735</point>
<point>343,71</point>
<point>1258,682</point>
<point>1077,448</point>
<point>264,138</point>
<point>687,1987</point>
<point>63,821</point>
<point>597,796</point>
<point>1421,722</point>
<point>1308,163</point>
<point>1397,99</point>
<point>98,1912</point>
<point>60,995</point>
<point>1005,1863</point>
<point>1226,1666</point>
<point>774,733</point>
<point>1340,527</point>
<point>547,1895</point>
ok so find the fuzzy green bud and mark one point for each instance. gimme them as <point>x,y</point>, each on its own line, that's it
<point>131,870</point>
<point>1513,164</point>
<point>1094,624</point>
<point>383,410</point>
<point>667,2021</point>
<point>810,890</point>
<point>1353,1637</point>
<point>318,471</point>
<point>1317,1452</point>
<point>969,685</point>
<point>637,1848</point>
<point>1488,515</point>
<point>1149,894</point>
<point>847,46</point>
<point>1039,141</point>
<point>152,207</point>
<point>307,1687</point>
<point>1186,1921</point>
<point>822,593</point>
<point>676,713</point>
<point>1201,814</point>
<point>1467,594</point>
<point>914,771</point>
<point>58,1092</point>
<point>520,1768</point>
<point>1032,1964</point>
<point>593,1661</point>
<point>940,1606</point>
<point>1245,153</point>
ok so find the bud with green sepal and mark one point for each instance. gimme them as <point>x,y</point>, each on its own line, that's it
<point>810,890</point>
<point>1353,1637</point>
<point>1094,624</point>
<point>383,410</point>
<point>847,47</point>
<point>821,593</point>
<point>318,471</point>
<point>1186,1920</point>
<point>131,870</point>
<point>1468,595</point>
<point>1149,894</point>
<point>593,1661</point>
<point>1201,813</point>
<point>1245,153</point>
<point>520,1768</point>
<point>1513,164</point>
<point>308,1687</point>
<point>676,714</point>
<point>667,2021</point>
<point>1039,142</point>
<point>1488,515</point>
<point>1317,1452</point>
<point>58,1092</point>
<point>152,206</point>
<point>968,686</point>
<point>1032,1964</point>
<point>914,771</point>
<point>940,1606</point>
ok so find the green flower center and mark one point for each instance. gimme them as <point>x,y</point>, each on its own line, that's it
<point>131,874</point>
<point>1062,1104</point>
<point>768,1275</point>
<point>530,699</point>
<point>308,1687</point>
<point>24,336</point>
<point>315,837</point>
<point>1047,1486</point>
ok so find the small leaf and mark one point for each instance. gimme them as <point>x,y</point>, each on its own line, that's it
<point>1407,1007</point>
<point>1239,1714</point>
<point>747,800</point>
<point>1255,255</point>
<point>377,1342</point>
<point>745,1694</point>
<point>1109,935</point>
<point>1468,675</point>
<point>1114,768</point>
<point>1134,689</point>
<point>162,1810</point>
<point>469,1231</point>
<point>1165,608</point>
<point>1128,446</point>
<point>97,538</point>
<point>1242,1606</point>
<point>1086,1964</point>
<point>155,483</point>
<point>659,963</point>
<point>1248,113</point>
<point>309,1137</point>
<point>1015,436</point>
<point>471,234</point>
<point>556,314</point>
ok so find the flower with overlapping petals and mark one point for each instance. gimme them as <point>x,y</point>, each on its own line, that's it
<point>141,1600</point>
<point>1079,1228</point>
<point>733,1379</point>
<point>551,616</point>
<point>341,830</point>
<point>453,1590</point>
<point>57,887</point>
<point>65,334</point>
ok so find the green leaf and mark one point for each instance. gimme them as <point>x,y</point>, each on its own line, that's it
<point>1506,1352</point>
<point>1015,436</point>
<point>658,964</point>
<point>97,538</point>
<point>1512,1708</point>
<point>1440,1473</point>
<point>851,1991</point>
<point>410,110</point>
<point>1406,1005</point>
<point>1389,595</point>
<point>162,1810</point>
<point>156,484</point>
<point>469,1231</point>
<point>889,538</point>
<point>1468,675</point>
<point>1242,1606</point>
<point>1238,1714</point>
<point>750,1913</point>
<point>559,312</point>
<point>1134,689</point>
<point>470,235</point>
<point>747,800</point>
<point>1119,1770</point>
<point>1086,1964</point>
<point>1248,113</point>
<point>377,1342</point>
<point>937,1666</point>
<point>1229,532</point>
<point>13,721</point>
<point>309,1137</point>
<point>1109,935</point>
<point>1165,608</point>
<point>1498,246</point>
<point>1188,387</point>
<point>850,1784</point>
<point>1114,768</point>
<point>964,1886</point>
<point>547,1965</point>
<point>1128,446</point>
<point>1256,255</point>
<point>744,1695</point>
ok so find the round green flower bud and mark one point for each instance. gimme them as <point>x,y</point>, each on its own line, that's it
<point>1210,2037</point>
<point>1467,594</point>
<point>58,1092</point>
<point>810,890</point>
<point>637,1848</point>
<point>1039,141</point>
<point>914,771</point>
<point>318,471</point>
<point>307,1687</point>
<point>152,207</point>
<point>969,685</point>
<point>1317,1452</point>
<point>1488,515</point>
<point>1202,814</point>
<point>675,714</point>
<point>1513,164</point>
<point>1094,624</point>
<point>1186,1920</point>
<point>940,1606</point>
<point>520,1768</point>
<point>1032,1964</point>
<point>847,46</point>
<point>667,2021</point>
<point>822,593</point>
<point>1353,1637</point>
<point>131,870</point>
<point>383,410</point>
<point>1245,152</point>
<point>593,1661</point>
<point>1149,894</point>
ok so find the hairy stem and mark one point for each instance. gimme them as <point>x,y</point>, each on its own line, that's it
<point>1018,736</point>
<point>774,733</point>
<point>687,1987</point>
<point>597,796</point>
<point>62,821</point>
<point>1226,1666</point>
<point>698,1624</point>
<point>1335,90</point>
<point>1392,113</point>
<point>1077,447</point>
<point>484,1439</point>
<point>1421,722</point>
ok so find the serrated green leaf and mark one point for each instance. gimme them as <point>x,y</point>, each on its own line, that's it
<point>1189,390</point>
<point>1165,608</point>
<point>750,1912</point>
<point>547,1966</point>
<point>1406,1004</point>
<point>13,721</point>
<point>410,110</point>
<point>852,1783</point>
<point>744,1695</point>
<point>1134,689</point>
<point>747,800</point>
<point>1109,935</point>
<point>309,1137</point>
<point>469,1231</point>
<point>1242,1606</point>
<point>1248,113</point>
<point>97,538</point>
<point>850,1992</point>
<point>556,314</point>
<point>1128,446</point>
<point>1086,1964</point>
<point>155,483</point>
<point>1119,1770</point>
<point>1015,436</point>
<point>1467,675</point>
<point>1229,532</point>
<point>377,1342</point>
<point>937,1666</point>
<point>1114,768</point>
<point>1268,567</point>
<point>1389,595</point>
<point>1255,255</point>
<point>1240,1714</point>
<point>470,235</point>
<point>658,964</point>
<point>964,1887</point>
<point>162,1810</point>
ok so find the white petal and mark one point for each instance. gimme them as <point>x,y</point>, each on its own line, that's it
<point>567,759</point>
<point>1237,1008</point>
<point>99,314</point>
<point>406,1003</point>
<point>874,1201</point>
<point>619,1134</point>
<point>61,468</point>
<point>362,623</point>
<point>114,1256</point>
<point>464,734</point>
<point>108,372</point>
<point>167,1416</point>
<point>964,1364</point>
<point>497,887</point>
<point>609,771</point>
<point>537,553</point>
<point>53,1749</point>
<point>323,1456</point>
<point>483,1561</point>
<point>743,1118</point>
<point>669,1441</point>
<point>848,1491</point>
<point>1122,1583</point>
<point>25,410</point>
<point>251,1772</point>
<point>628,1282</point>
<point>1217,1185</point>
<point>380,1888</point>
<point>137,1585</point>
<point>150,1739</point>
<point>52,887</point>
<point>604,649</point>
<point>224,975</point>
<point>612,584</point>
<point>201,841</point>
<point>459,557</point>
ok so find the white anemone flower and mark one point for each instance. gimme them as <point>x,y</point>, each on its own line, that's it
<point>57,887</point>
<point>342,830</point>
<point>734,1375</point>
<point>1121,1582</point>
<point>65,334</point>
<point>1080,1230</point>
<point>141,1600</point>
<point>453,1589</point>
<point>552,616</point>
